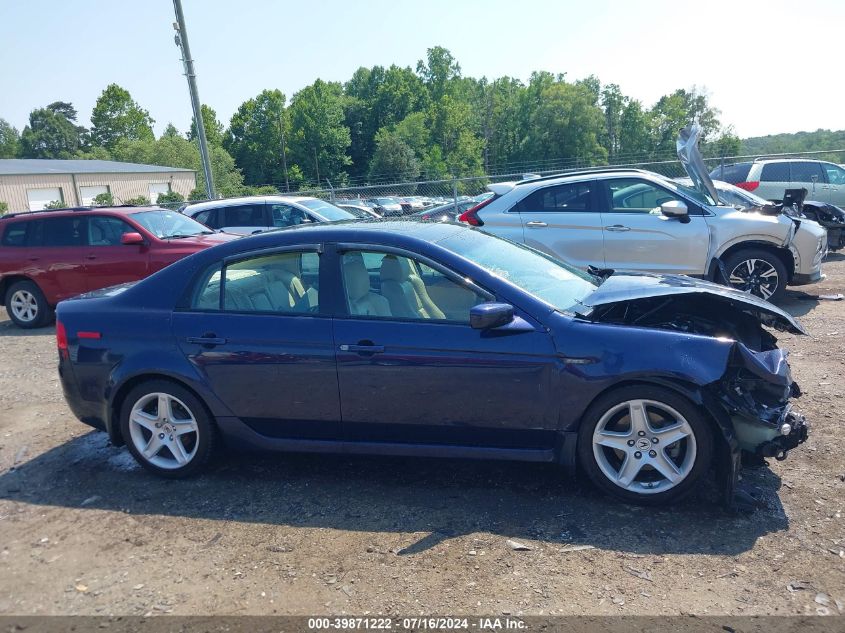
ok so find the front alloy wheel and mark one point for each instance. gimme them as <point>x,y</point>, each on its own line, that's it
<point>645,444</point>
<point>167,429</point>
<point>759,272</point>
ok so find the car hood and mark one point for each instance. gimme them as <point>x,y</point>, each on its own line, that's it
<point>630,286</point>
<point>690,157</point>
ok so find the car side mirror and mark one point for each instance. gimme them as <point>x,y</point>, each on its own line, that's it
<point>486,316</point>
<point>130,239</point>
<point>675,209</point>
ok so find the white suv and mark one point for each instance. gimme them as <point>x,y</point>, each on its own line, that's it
<point>634,219</point>
<point>769,178</point>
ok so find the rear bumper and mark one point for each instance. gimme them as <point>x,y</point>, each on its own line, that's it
<point>86,411</point>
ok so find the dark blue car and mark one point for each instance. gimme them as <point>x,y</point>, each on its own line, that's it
<point>435,340</point>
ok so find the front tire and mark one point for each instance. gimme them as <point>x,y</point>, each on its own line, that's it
<point>167,429</point>
<point>757,271</point>
<point>645,444</point>
<point>27,306</point>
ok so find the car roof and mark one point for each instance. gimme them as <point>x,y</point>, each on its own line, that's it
<point>49,213</point>
<point>791,160</point>
<point>501,188</point>
<point>225,202</point>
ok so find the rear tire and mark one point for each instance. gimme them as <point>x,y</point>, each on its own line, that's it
<point>27,306</point>
<point>167,429</point>
<point>645,444</point>
<point>757,271</point>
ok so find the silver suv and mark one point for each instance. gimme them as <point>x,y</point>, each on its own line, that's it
<point>769,178</point>
<point>634,219</point>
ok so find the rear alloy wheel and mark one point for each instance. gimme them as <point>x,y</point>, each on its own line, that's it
<point>27,306</point>
<point>645,444</point>
<point>167,429</point>
<point>759,272</point>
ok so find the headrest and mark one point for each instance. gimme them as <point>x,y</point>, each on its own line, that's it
<point>356,277</point>
<point>394,268</point>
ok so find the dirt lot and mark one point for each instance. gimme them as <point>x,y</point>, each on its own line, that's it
<point>85,531</point>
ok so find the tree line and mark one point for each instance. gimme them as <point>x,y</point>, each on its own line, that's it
<point>385,124</point>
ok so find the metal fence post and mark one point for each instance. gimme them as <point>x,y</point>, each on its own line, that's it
<point>455,192</point>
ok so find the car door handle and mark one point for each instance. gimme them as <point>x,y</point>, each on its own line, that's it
<point>535,223</point>
<point>362,349</point>
<point>206,340</point>
<point>90,257</point>
<point>618,228</point>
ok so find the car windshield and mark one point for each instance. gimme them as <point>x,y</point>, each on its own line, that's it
<point>327,210</point>
<point>690,192</point>
<point>548,279</point>
<point>170,224</point>
<point>745,199</point>
<point>386,201</point>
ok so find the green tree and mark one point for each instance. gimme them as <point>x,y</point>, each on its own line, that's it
<point>394,160</point>
<point>116,116</point>
<point>634,132</point>
<point>438,71</point>
<point>613,102</point>
<point>170,197</point>
<point>138,201</point>
<point>103,200</point>
<point>170,130</point>
<point>4,207</point>
<point>52,132</point>
<point>254,138</point>
<point>10,140</point>
<point>213,127</point>
<point>55,204</point>
<point>320,138</point>
<point>674,111</point>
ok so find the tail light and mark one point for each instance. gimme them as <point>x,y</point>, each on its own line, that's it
<point>61,339</point>
<point>470,216</point>
<point>749,185</point>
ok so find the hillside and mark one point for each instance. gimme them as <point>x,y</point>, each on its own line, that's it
<point>798,142</point>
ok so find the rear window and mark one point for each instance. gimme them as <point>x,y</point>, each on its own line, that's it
<point>15,234</point>
<point>775,172</point>
<point>732,173</point>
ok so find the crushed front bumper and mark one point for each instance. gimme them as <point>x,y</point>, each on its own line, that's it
<point>794,431</point>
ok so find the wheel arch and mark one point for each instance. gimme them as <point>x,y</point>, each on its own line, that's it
<point>781,252</point>
<point>123,390</point>
<point>9,281</point>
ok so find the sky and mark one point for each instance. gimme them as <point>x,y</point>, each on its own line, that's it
<point>770,66</point>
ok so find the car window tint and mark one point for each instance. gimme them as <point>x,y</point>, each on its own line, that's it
<point>384,285</point>
<point>66,231</point>
<point>106,230</point>
<point>835,174</point>
<point>807,171</point>
<point>15,234</point>
<point>278,283</point>
<point>732,173</point>
<point>206,217</point>
<point>775,172</point>
<point>569,197</point>
<point>631,195</point>
<point>244,215</point>
<point>282,215</point>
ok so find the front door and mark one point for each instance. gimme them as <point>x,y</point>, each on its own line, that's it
<point>265,348</point>
<point>638,237</point>
<point>562,220</point>
<point>108,262</point>
<point>834,187</point>
<point>412,370</point>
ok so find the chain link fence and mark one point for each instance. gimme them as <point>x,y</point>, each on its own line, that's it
<point>428,193</point>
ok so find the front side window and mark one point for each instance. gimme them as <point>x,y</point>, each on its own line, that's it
<point>106,230</point>
<point>385,285</point>
<point>835,174</point>
<point>282,215</point>
<point>284,283</point>
<point>574,196</point>
<point>630,195</point>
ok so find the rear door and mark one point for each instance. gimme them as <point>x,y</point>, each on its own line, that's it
<point>108,262</point>
<point>268,356</point>
<point>638,237</point>
<point>563,221</point>
<point>57,249</point>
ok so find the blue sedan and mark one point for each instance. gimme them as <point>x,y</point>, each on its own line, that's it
<point>432,340</point>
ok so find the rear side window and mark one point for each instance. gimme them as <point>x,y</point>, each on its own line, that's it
<point>775,172</point>
<point>571,197</point>
<point>732,173</point>
<point>66,231</point>
<point>245,215</point>
<point>807,171</point>
<point>15,234</point>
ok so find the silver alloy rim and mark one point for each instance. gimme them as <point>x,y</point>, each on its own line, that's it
<point>24,306</point>
<point>164,431</point>
<point>644,446</point>
<point>756,276</point>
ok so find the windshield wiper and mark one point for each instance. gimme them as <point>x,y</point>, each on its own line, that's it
<point>177,236</point>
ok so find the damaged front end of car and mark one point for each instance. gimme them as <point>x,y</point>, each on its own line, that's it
<point>750,401</point>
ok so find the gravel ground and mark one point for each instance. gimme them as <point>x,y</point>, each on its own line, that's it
<point>84,531</point>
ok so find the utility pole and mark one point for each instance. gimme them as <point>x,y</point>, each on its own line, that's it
<point>316,165</point>
<point>188,62</point>
<point>284,154</point>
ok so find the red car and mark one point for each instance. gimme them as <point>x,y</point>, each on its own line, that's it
<point>47,256</point>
